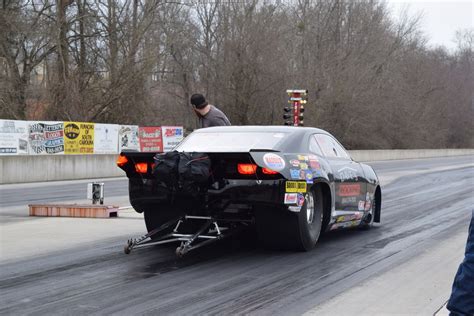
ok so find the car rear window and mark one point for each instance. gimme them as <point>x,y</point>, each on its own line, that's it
<point>230,141</point>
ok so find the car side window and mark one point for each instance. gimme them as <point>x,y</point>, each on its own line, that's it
<point>330,147</point>
<point>314,147</point>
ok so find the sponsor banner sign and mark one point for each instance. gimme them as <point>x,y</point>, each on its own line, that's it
<point>46,138</point>
<point>106,138</point>
<point>150,139</point>
<point>78,138</point>
<point>13,137</point>
<point>172,136</point>
<point>128,138</point>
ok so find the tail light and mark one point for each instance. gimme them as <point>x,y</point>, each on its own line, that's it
<point>122,161</point>
<point>246,168</point>
<point>268,171</point>
<point>141,167</point>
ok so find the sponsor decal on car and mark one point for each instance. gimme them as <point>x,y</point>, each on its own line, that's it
<point>345,224</point>
<point>291,198</point>
<point>295,187</point>
<point>303,166</point>
<point>295,174</point>
<point>302,157</point>
<point>349,189</point>
<point>348,200</point>
<point>274,161</point>
<point>295,163</point>
<point>338,225</point>
<point>349,218</point>
<point>300,201</point>
<point>314,164</point>
<point>361,205</point>
<point>309,176</point>
<point>302,174</point>
<point>317,173</point>
<point>294,208</point>
<point>347,174</point>
<point>355,223</point>
<point>368,205</point>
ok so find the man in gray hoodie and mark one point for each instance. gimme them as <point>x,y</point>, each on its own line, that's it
<point>207,113</point>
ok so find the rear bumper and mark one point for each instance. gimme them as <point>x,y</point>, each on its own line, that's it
<point>250,192</point>
<point>148,194</point>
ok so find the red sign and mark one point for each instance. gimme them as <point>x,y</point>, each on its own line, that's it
<point>150,139</point>
<point>349,189</point>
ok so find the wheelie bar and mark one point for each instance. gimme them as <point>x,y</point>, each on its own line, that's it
<point>209,232</point>
<point>134,242</point>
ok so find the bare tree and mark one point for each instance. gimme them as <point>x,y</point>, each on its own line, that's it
<point>373,82</point>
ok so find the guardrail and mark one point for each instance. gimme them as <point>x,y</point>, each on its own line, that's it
<point>21,169</point>
<point>397,154</point>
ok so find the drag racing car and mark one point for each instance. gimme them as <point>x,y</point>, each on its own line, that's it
<point>290,184</point>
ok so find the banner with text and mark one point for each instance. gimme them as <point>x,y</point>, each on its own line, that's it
<point>106,138</point>
<point>150,139</point>
<point>45,138</point>
<point>172,136</point>
<point>13,137</point>
<point>128,138</point>
<point>78,138</point>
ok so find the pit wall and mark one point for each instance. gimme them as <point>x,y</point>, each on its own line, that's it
<point>21,169</point>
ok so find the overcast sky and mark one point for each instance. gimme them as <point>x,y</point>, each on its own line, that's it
<point>441,18</point>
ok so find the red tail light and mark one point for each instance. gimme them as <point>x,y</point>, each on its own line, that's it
<point>246,168</point>
<point>141,167</point>
<point>268,171</point>
<point>121,161</point>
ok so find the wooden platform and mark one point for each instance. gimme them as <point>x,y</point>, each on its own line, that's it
<point>74,210</point>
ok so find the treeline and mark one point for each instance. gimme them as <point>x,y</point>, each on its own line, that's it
<point>372,80</point>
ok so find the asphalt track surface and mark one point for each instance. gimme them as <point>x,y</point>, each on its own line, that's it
<point>430,200</point>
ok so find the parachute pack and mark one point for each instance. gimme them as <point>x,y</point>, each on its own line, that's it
<point>184,174</point>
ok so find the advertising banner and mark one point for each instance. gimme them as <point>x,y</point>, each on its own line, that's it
<point>45,138</point>
<point>13,137</point>
<point>150,139</point>
<point>128,138</point>
<point>172,136</point>
<point>78,138</point>
<point>106,138</point>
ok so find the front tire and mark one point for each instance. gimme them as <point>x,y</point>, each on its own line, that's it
<point>368,221</point>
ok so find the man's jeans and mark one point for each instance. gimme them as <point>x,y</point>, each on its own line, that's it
<point>461,301</point>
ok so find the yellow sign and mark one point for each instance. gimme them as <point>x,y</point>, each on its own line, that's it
<point>78,138</point>
<point>296,187</point>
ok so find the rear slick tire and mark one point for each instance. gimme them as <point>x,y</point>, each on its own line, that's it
<point>283,229</point>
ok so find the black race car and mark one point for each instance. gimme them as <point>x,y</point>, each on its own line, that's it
<point>290,183</point>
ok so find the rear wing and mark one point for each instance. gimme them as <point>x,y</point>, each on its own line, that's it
<point>292,166</point>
